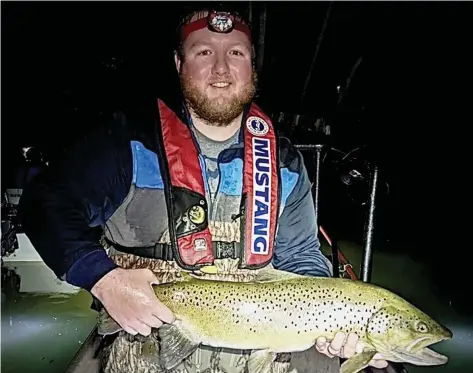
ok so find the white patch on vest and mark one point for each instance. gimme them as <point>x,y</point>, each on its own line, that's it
<point>257,126</point>
<point>260,228</point>
<point>200,244</point>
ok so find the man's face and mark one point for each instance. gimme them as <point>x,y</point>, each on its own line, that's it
<point>217,76</point>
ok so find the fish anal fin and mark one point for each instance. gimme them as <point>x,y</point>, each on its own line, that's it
<point>176,345</point>
<point>260,361</point>
<point>271,274</point>
<point>357,362</point>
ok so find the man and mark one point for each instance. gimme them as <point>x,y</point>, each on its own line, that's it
<point>209,187</point>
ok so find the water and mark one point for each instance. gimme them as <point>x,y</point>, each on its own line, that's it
<point>413,281</point>
<point>44,322</point>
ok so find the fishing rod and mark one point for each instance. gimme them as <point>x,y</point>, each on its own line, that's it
<point>344,263</point>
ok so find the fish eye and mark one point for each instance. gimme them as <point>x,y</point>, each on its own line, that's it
<point>422,327</point>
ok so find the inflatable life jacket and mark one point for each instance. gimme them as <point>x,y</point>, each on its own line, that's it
<point>184,188</point>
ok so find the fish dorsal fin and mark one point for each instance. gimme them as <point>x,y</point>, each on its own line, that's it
<point>272,275</point>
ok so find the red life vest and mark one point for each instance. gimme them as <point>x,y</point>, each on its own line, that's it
<point>184,188</point>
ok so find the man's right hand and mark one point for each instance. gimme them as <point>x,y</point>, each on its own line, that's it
<point>128,297</point>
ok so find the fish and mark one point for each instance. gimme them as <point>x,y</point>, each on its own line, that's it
<point>282,312</point>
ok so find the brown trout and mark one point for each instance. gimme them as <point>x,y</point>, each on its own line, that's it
<point>279,312</point>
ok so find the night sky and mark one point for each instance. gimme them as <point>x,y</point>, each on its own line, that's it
<point>410,100</point>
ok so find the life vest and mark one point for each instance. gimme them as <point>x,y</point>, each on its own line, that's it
<point>184,188</point>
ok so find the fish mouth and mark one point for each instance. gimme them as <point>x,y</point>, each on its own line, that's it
<point>418,353</point>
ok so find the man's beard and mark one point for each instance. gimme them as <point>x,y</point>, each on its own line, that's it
<point>218,112</point>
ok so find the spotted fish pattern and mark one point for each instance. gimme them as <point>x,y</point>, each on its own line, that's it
<point>281,312</point>
<point>282,315</point>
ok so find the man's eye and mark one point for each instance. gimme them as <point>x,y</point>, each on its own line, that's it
<point>204,53</point>
<point>236,53</point>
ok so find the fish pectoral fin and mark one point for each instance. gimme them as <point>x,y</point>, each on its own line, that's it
<point>176,345</point>
<point>357,362</point>
<point>271,274</point>
<point>260,361</point>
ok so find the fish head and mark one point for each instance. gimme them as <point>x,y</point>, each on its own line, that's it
<point>402,333</point>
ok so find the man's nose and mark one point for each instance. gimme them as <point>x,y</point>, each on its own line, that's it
<point>221,65</point>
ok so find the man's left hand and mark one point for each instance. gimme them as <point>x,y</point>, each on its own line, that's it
<point>346,348</point>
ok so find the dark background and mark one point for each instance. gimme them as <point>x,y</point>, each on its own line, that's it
<point>410,100</point>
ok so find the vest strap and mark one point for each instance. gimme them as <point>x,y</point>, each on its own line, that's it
<point>161,251</point>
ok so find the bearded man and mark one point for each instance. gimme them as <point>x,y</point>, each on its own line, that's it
<point>209,186</point>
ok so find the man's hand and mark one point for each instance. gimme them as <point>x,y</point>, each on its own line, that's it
<point>346,348</point>
<point>128,297</point>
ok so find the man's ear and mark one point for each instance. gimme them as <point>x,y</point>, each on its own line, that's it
<point>177,61</point>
